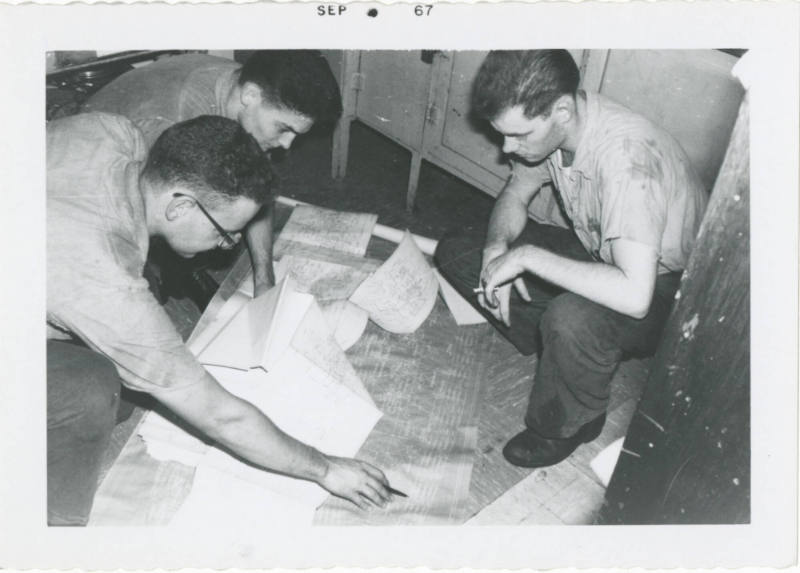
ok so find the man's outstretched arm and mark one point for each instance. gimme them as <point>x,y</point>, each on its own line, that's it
<point>239,426</point>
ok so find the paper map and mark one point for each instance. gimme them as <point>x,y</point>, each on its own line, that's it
<point>336,230</point>
<point>399,296</point>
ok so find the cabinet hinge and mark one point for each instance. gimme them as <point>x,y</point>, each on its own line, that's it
<point>432,114</point>
<point>357,81</point>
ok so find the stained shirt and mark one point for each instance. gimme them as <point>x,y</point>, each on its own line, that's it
<point>629,179</point>
<point>171,90</point>
<point>97,243</point>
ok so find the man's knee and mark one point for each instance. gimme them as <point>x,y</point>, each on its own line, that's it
<point>98,411</point>
<point>576,324</point>
<point>564,318</point>
<point>453,246</point>
<point>458,254</point>
<point>83,391</point>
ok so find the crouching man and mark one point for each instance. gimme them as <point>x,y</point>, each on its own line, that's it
<point>199,186</point>
<point>583,297</point>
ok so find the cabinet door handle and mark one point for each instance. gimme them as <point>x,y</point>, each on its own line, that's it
<point>427,55</point>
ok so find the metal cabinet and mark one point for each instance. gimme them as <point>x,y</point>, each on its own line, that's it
<point>421,101</point>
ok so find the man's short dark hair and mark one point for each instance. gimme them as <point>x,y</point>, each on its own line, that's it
<point>213,156</point>
<point>298,80</point>
<point>533,79</point>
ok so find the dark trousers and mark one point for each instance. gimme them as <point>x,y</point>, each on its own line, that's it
<point>83,394</point>
<point>580,343</point>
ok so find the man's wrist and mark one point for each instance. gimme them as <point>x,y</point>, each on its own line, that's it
<point>320,465</point>
<point>495,247</point>
<point>526,257</point>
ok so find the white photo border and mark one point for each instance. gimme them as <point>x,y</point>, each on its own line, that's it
<point>768,31</point>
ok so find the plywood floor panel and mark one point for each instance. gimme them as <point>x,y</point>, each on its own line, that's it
<point>578,502</point>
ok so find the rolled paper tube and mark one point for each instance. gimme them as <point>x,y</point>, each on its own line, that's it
<point>426,245</point>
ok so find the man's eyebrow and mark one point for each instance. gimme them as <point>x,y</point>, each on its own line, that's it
<point>286,127</point>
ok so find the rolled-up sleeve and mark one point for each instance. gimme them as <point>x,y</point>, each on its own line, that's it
<point>126,324</point>
<point>543,206</point>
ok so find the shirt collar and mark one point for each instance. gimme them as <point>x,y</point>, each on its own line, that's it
<point>223,89</point>
<point>580,162</point>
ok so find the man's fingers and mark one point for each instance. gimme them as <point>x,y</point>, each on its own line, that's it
<point>370,497</point>
<point>493,297</point>
<point>360,501</point>
<point>505,312</point>
<point>378,493</point>
<point>522,290</point>
<point>502,296</point>
<point>374,472</point>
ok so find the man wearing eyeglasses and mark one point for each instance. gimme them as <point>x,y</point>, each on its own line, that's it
<point>276,96</point>
<point>197,189</point>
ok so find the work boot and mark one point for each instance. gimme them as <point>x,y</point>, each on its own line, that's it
<point>530,450</point>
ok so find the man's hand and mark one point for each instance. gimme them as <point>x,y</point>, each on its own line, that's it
<point>356,481</point>
<point>496,296</point>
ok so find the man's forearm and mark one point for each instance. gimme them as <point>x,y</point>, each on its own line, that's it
<point>259,237</point>
<point>599,282</point>
<point>239,426</point>
<point>508,219</point>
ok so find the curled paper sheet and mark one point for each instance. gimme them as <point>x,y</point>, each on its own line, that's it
<point>400,295</point>
<point>346,320</point>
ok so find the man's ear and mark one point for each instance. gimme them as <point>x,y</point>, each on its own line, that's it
<point>178,207</point>
<point>251,94</point>
<point>564,108</point>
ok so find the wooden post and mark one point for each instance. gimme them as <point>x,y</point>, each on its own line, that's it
<point>349,82</point>
<point>686,458</point>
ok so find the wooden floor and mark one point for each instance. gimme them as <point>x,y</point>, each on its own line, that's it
<point>567,493</point>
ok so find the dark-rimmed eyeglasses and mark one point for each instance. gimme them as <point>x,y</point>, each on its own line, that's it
<point>226,240</point>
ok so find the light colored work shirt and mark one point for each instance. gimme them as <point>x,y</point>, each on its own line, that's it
<point>629,179</point>
<point>168,91</point>
<point>97,243</point>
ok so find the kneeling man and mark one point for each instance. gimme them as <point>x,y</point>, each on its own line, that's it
<point>586,296</point>
<point>199,186</point>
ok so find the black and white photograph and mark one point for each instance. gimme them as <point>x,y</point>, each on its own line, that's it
<point>401,285</point>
